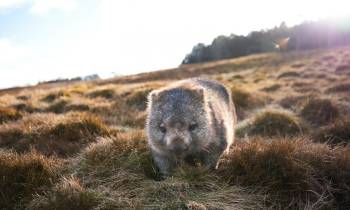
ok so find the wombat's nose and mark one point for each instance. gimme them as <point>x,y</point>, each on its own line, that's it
<point>178,146</point>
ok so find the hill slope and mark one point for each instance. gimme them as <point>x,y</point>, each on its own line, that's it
<point>82,146</point>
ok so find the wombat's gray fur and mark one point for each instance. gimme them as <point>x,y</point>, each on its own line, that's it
<point>190,118</point>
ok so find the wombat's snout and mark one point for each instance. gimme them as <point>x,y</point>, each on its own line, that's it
<point>178,146</point>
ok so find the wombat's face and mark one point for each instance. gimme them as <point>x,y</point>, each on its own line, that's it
<point>177,121</point>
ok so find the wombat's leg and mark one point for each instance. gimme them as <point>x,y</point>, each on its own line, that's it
<point>164,163</point>
<point>190,160</point>
<point>210,160</point>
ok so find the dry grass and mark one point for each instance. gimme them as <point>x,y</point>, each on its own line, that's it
<point>24,175</point>
<point>52,135</point>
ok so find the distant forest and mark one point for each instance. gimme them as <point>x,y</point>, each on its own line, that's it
<point>308,35</point>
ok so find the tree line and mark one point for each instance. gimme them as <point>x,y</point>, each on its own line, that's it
<point>305,36</point>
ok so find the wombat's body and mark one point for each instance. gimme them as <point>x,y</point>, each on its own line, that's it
<point>191,118</point>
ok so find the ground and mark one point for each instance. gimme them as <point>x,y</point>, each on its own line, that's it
<point>81,145</point>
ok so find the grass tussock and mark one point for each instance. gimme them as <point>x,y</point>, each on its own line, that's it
<point>58,107</point>
<point>270,123</point>
<point>24,175</point>
<point>23,97</point>
<point>345,87</point>
<point>272,88</point>
<point>68,194</point>
<point>138,99</point>
<point>337,133</point>
<point>288,74</point>
<point>342,69</point>
<point>77,107</point>
<point>295,174</point>
<point>105,93</point>
<point>26,107</point>
<point>9,114</point>
<point>245,101</point>
<point>50,135</point>
<point>319,111</point>
<point>55,95</point>
<point>293,102</point>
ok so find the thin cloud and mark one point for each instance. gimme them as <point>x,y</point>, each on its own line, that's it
<point>40,7</point>
<point>11,53</point>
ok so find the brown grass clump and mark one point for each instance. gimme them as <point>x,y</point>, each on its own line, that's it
<point>337,133</point>
<point>288,74</point>
<point>23,97</point>
<point>105,93</point>
<point>244,101</point>
<point>345,87</point>
<point>342,69</point>
<point>138,99</point>
<point>55,95</point>
<point>26,107</point>
<point>57,107</point>
<point>270,123</point>
<point>294,174</point>
<point>24,175</point>
<point>297,65</point>
<point>272,88</point>
<point>9,114</point>
<point>68,194</point>
<point>77,107</point>
<point>64,136</point>
<point>319,111</point>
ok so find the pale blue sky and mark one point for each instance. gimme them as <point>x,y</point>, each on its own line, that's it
<point>46,39</point>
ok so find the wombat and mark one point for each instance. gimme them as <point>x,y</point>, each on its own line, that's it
<point>192,118</point>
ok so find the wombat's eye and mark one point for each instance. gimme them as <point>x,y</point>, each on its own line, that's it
<point>192,126</point>
<point>162,128</point>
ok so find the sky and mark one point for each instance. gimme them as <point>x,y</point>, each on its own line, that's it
<point>48,39</point>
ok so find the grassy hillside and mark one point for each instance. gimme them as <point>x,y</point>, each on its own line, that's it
<point>82,145</point>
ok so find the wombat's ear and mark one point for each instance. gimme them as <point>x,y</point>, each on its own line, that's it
<point>153,95</point>
<point>200,93</point>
